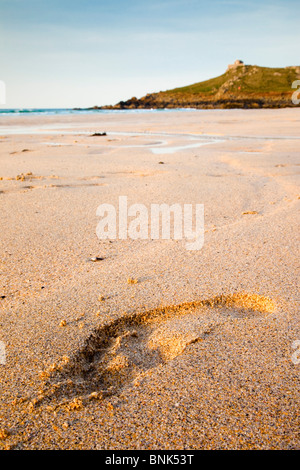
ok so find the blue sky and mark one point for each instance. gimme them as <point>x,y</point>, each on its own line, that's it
<point>80,53</point>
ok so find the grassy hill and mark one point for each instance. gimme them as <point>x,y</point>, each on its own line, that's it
<point>241,86</point>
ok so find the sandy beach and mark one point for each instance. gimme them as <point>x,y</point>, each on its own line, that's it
<point>152,346</point>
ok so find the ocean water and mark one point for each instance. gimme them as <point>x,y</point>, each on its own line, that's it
<point>63,111</point>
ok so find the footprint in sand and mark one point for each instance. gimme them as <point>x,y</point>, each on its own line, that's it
<point>117,354</point>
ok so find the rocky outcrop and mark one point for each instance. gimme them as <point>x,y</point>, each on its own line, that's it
<point>241,86</point>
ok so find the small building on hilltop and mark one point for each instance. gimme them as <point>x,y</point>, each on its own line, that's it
<point>236,64</point>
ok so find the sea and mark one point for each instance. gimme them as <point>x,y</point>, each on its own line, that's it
<point>64,111</point>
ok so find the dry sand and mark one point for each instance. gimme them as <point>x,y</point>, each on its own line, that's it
<point>198,353</point>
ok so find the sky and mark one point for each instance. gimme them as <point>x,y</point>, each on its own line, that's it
<point>82,53</point>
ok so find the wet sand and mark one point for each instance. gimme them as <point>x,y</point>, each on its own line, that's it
<point>197,351</point>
